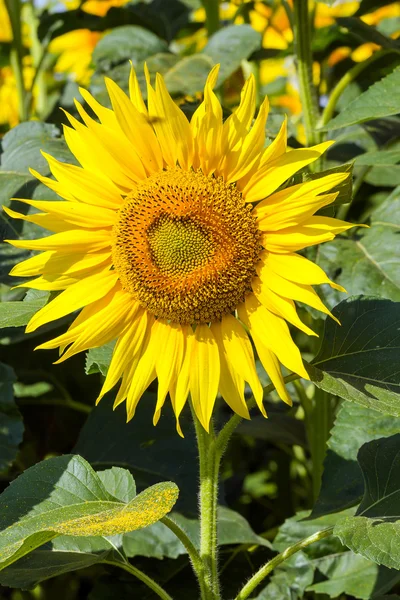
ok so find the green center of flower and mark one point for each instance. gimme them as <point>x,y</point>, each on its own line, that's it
<point>178,245</point>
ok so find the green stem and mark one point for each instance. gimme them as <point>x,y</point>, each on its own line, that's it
<point>209,471</point>
<point>13,8</point>
<point>212,15</point>
<point>39,52</point>
<point>195,559</point>
<point>157,589</point>
<point>304,61</point>
<point>348,78</point>
<point>277,560</point>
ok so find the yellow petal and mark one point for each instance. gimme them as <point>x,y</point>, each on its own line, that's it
<point>314,230</point>
<point>45,221</point>
<point>169,343</point>
<point>74,240</point>
<point>179,388</point>
<point>276,334</point>
<point>81,294</point>
<point>206,125</point>
<point>204,374</point>
<point>143,375</point>
<point>283,307</point>
<point>86,186</point>
<point>289,289</point>
<point>52,263</point>
<point>299,269</point>
<point>231,384</point>
<point>74,213</point>
<point>239,353</point>
<point>268,178</point>
<point>136,128</point>
<point>135,92</point>
<point>128,345</point>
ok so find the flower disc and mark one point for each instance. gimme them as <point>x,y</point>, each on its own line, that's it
<point>186,246</point>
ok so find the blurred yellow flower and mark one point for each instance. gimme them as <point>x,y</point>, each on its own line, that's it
<point>8,92</point>
<point>5,25</point>
<point>95,7</point>
<point>75,53</point>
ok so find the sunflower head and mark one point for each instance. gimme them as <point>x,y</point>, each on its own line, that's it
<point>180,241</point>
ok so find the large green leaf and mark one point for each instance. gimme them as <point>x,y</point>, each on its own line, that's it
<point>16,314</point>
<point>382,157</point>
<point>290,580</point>
<point>365,262</point>
<point>380,100</point>
<point>351,574</point>
<point>230,45</point>
<point>151,453</point>
<point>375,531</point>
<point>127,43</point>
<point>11,426</point>
<point>64,495</point>
<point>358,360</point>
<point>188,76</point>
<point>342,480</point>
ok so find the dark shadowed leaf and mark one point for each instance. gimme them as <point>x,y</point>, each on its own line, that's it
<point>358,360</point>
<point>375,531</point>
<point>11,425</point>
<point>151,453</point>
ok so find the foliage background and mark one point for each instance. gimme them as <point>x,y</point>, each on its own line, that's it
<point>273,469</point>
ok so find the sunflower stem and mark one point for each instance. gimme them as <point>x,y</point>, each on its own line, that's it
<point>13,8</point>
<point>211,8</point>
<point>279,559</point>
<point>304,62</point>
<point>209,461</point>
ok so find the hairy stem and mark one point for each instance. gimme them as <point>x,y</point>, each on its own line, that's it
<point>279,559</point>
<point>208,497</point>
<point>304,61</point>
<point>195,559</point>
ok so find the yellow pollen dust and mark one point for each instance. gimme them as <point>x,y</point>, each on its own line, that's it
<point>186,245</point>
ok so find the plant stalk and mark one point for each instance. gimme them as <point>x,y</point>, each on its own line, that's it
<point>212,16</point>
<point>279,559</point>
<point>208,497</point>
<point>304,61</point>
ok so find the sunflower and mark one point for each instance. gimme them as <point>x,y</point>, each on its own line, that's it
<point>179,240</point>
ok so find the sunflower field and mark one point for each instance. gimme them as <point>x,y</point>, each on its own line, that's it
<point>199,300</point>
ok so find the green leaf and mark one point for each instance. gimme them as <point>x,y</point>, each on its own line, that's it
<point>125,43</point>
<point>98,359</point>
<point>342,480</point>
<point>381,157</point>
<point>358,360</point>
<point>380,100</point>
<point>16,314</point>
<point>11,426</point>
<point>289,580</point>
<point>384,176</point>
<point>118,482</point>
<point>366,261</point>
<point>375,531</point>
<point>345,189</point>
<point>189,75</point>
<point>151,453</point>
<point>157,541</point>
<point>354,575</point>
<point>64,495</point>
<point>229,46</point>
